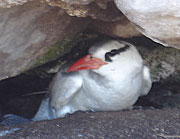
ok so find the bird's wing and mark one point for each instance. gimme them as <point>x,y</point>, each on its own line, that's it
<point>63,87</point>
<point>43,111</point>
<point>147,83</point>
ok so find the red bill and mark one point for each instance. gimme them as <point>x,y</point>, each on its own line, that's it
<point>86,63</point>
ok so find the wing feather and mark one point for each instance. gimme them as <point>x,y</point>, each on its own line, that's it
<point>64,87</point>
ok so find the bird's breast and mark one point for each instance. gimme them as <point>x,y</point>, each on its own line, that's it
<point>104,94</point>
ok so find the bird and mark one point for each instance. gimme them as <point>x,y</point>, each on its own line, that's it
<point>110,78</point>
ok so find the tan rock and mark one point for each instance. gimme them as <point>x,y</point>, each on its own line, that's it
<point>123,28</point>
<point>30,31</point>
<point>101,10</point>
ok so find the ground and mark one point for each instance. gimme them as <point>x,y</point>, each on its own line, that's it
<point>134,124</point>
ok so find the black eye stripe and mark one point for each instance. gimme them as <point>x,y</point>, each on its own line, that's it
<point>123,48</point>
<point>107,57</point>
<point>115,52</point>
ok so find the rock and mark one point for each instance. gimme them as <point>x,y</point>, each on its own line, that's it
<point>30,41</point>
<point>33,34</point>
<point>10,3</point>
<point>163,62</point>
<point>107,19</point>
<point>101,10</point>
<point>158,20</point>
<point>163,94</point>
<point>97,10</point>
<point>80,2</point>
<point>123,28</point>
<point>151,123</point>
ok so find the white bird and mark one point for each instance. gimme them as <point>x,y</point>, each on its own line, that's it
<point>110,78</point>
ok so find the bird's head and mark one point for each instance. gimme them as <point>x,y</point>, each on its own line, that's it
<point>105,54</point>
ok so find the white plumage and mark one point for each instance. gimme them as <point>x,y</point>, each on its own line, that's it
<point>113,85</point>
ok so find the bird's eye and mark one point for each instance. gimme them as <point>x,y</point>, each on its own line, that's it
<point>115,52</point>
<point>107,57</point>
<point>91,56</point>
<point>110,54</point>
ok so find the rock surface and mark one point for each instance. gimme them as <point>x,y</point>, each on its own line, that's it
<point>29,34</point>
<point>101,10</point>
<point>35,33</point>
<point>134,124</point>
<point>122,28</point>
<point>158,20</point>
<point>31,31</point>
<point>107,18</point>
<point>163,62</point>
<point>10,3</point>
